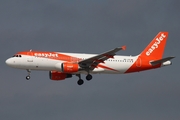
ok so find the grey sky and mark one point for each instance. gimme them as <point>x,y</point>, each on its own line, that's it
<point>89,26</point>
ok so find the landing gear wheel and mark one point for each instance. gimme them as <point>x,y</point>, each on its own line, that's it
<point>80,82</point>
<point>89,77</point>
<point>28,77</point>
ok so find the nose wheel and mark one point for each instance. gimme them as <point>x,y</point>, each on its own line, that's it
<point>28,76</point>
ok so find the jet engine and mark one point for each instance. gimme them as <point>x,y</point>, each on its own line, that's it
<point>55,75</point>
<point>69,67</point>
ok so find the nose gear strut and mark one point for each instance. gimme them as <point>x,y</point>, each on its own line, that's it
<point>28,76</point>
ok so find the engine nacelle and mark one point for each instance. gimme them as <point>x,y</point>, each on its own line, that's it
<point>69,67</point>
<point>55,75</point>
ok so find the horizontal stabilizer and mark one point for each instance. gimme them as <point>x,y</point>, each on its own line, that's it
<point>161,61</point>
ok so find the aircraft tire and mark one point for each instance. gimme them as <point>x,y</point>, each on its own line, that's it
<point>28,77</point>
<point>88,77</point>
<point>80,82</point>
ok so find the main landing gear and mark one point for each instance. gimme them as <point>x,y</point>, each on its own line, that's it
<point>81,81</point>
<point>28,76</point>
<point>89,77</point>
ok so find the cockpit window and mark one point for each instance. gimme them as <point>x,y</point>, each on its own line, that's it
<point>16,56</point>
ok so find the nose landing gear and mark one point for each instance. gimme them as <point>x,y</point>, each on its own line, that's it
<point>28,76</point>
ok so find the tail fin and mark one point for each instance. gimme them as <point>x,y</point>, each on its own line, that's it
<point>156,47</point>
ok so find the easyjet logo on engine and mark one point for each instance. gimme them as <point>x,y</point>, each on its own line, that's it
<point>156,44</point>
<point>45,55</point>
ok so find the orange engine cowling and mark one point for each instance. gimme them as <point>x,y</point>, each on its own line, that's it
<point>55,75</point>
<point>69,67</point>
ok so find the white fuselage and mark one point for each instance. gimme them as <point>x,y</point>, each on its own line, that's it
<point>116,65</point>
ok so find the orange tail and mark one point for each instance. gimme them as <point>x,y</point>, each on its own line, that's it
<point>156,48</point>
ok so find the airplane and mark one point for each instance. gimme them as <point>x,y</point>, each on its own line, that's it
<point>63,65</point>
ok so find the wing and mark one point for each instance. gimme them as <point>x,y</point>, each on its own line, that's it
<point>92,62</point>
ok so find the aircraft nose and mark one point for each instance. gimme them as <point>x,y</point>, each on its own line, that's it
<point>9,62</point>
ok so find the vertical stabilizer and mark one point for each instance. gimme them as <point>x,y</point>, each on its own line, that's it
<point>156,47</point>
